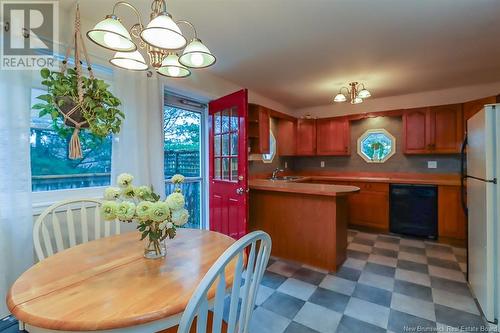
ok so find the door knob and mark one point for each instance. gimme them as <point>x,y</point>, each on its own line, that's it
<point>240,190</point>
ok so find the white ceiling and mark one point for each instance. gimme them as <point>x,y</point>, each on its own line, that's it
<point>300,52</point>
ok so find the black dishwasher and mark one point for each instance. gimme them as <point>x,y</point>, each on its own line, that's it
<point>413,210</point>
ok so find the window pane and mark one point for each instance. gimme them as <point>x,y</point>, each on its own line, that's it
<point>225,120</point>
<point>51,169</point>
<point>234,119</point>
<point>217,122</point>
<point>225,169</point>
<point>217,174</point>
<point>217,145</point>
<point>234,144</point>
<point>182,142</point>
<point>225,144</point>
<point>234,168</point>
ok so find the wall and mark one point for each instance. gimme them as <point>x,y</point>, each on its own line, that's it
<point>397,163</point>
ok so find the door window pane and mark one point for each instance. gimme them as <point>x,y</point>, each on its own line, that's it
<point>217,174</point>
<point>217,145</point>
<point>225,121</point>
<point>225,168</point>
<point>234,144</point>
<point>217,122</point>
<point>225,144</point>
<point>234,169</point>
<point>234,120</point>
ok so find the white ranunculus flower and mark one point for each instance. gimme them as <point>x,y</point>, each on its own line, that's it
<point>112,193</point>
<point>124,179</point>
<point>169,225</point>
<point>180,217</point>
<point>177,179</point>
<point>175,201</point>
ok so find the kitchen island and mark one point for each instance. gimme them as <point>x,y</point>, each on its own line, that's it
<point>307,222</point>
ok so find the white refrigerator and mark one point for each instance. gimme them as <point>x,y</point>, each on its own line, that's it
<point>483,201</point>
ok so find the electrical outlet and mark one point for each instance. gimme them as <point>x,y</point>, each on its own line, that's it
<point>322,164</point>
<point>286,165</point>
<point>432,164</point>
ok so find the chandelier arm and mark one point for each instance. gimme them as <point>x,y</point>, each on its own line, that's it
<point>137,13</point>
<point>191,25</point>
<point>348,91</point>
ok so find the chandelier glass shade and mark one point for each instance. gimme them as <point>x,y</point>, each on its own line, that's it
<point>356,93</point>
<point>160,39</point>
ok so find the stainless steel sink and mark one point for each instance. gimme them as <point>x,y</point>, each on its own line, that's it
<point>286,178</point>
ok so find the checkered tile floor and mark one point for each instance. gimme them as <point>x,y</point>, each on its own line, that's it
<point>387,284</point>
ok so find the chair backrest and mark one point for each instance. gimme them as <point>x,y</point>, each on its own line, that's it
<point>258,247</point>
<point>78,218</point>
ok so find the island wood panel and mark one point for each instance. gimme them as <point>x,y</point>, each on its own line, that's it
<point>115,293</point>
<point>310,229</point>
<point>452,222</point>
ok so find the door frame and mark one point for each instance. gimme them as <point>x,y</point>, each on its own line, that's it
<point>204,158</point>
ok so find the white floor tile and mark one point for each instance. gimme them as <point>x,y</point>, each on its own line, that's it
<point>445,273</point>
<point>265,321</point>
<point>383,260</point>
<point>318,318</point>
<point>298,289</point>
<point>368,312</point>
<point>354,263</point>
<point>376,280</point>
<point>414,277</point>
<point>339,285</point>
<point>412,257</point>
<point>413,306</point>
<point>455,301</point>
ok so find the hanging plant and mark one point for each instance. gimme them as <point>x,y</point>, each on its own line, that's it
<point>98,112</point>
<point>77,102</point>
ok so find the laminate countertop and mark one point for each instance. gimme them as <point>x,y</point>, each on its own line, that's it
<point>417,179</point>
<point>295,186</point>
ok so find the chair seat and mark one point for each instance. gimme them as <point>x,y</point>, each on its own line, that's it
<point>210,317</point>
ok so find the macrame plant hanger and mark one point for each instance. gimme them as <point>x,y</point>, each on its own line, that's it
<point>75,150</point>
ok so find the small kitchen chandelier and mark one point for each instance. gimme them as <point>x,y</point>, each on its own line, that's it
<point>161,38</point>
<point>357,93</point>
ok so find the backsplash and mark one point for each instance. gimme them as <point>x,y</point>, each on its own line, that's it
<point>399,162</point>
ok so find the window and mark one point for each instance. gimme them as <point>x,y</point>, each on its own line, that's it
<point>376,146</point>
<point>268,158</point>
<point>183,130</point>
<point>51,169</point>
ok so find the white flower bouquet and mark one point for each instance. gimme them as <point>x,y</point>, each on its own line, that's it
<point>156,219</point>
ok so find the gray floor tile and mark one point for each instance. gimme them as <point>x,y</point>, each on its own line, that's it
<point>385,252</point>
<point>309,276</point>
<point>414,277</point>
<point>457,318</point>
<point>413,306</point>
<point>352,325</point>
<point>284,268</point>
<point>368,312</point>
<point>338,284</point>
<point>354,263</point>
<point>443,263</point>
<point>400,322</point>
<point>318,318</point>
<point>376,280</point>
<point>439,247</point>
<point>380,269</point>
<point>348,273</point>
<point>298,328</point>
<point>357,254</point>
<point>283,304</point>
<point>456,301</point>
<point>411,249</point>
<point>330,299</point>
<point>413,290</point>
<point>388,239</point>
<point>373,294</point>
<point>265,321</point>
<point>363,241</point>
<point>272,280</point>
<point>446,273</point>
<point>451,286</point>
<point>413,266</point>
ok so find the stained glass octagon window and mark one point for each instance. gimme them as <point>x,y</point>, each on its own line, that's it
<point>376,146</point>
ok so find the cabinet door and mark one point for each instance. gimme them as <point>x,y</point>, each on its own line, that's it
<point>452,222</point>
<point>473,107</point>
<point>369,209</point>
<point>332,136</point>
<point>286,137</point>
<point>306,137</point>
<point>447,129</point>
<point>416,134</point>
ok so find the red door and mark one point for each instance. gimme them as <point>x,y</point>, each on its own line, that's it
<point>228,164</point>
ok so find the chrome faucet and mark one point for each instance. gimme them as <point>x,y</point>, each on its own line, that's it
<point>275,173</point>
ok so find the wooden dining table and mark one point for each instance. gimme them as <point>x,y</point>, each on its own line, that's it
<point>107,285</point>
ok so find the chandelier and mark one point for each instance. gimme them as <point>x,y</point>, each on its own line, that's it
<point>161,38</point>
<point>356,93</point>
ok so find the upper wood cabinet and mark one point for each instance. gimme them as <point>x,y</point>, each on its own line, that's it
<point>306,137</point>
<point>472,107</point>
<point>333,136</point>
<point>287,135</point>
<point>433,130</point>
<point>258,129</point>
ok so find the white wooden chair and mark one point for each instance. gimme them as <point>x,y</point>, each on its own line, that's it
<point>259,244</point>
<point>75,214</point>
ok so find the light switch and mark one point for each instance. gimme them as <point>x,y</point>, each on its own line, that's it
<point>322,164</point>
<point>432,164</point>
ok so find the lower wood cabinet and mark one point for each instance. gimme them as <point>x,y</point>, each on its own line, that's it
<point>452,222</point>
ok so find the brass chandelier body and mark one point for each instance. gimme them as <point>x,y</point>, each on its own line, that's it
<point>356,93</point>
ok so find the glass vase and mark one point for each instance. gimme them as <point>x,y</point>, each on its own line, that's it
<point>154,249</point>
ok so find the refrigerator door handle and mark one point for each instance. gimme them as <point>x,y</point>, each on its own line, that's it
<point>494,180</point>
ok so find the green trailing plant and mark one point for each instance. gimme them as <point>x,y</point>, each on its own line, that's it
<point>98,108</point>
